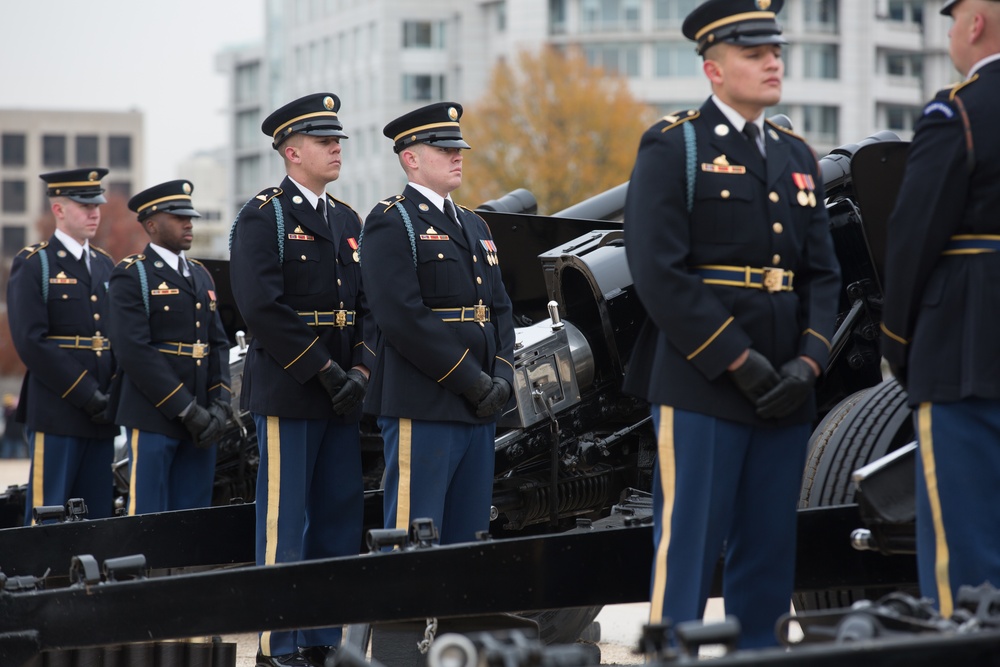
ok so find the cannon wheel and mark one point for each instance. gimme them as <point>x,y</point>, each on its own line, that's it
<point>563,626</point>
<point>863,427</point>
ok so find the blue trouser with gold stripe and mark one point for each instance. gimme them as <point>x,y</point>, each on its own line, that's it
<point>64,467</point>
<point>723,488</point>
<point>168,474</point>
<point>310,504</point>
<point>958,517</point>
<point>441,471</point>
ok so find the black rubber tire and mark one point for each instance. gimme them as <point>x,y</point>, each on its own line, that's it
<point>562,626</point>
<point>863,427</point>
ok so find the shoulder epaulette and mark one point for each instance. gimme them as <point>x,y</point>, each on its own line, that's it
<point>32,249</point>
<point>959,86</point>
<point>194,261</point>
<point>674,119</point>
<point>784,130</point>
<point>266,195</point>
<point>389,204</point>
<point>337,201</point>
<point>131,259</point>
<point>102,251</point>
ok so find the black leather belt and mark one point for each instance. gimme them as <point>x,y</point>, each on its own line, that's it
<point>194,350</point>
<point>332,318</point>
<point>972,244</point>
<point>769,279</point>
<point>93,343</point>
<point>477,314</point>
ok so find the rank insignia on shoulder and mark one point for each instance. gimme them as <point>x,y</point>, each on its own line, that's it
<point>267,195</point>
<point>939,107</point>
<point>723,168</point>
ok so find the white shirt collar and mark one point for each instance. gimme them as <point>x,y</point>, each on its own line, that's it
<point>171,258</point>
<point>735,118</point>
<point>985,61</point>
<point>310,196</point>
<point>434,197</point>
<point>71,244</point>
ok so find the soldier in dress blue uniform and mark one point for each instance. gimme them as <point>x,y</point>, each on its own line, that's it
<point>297,283</point>
<point>173,393</point>
<point>727,240</point>
<point>57,305</point>
<point>444,355</point>
<point>942,311</point>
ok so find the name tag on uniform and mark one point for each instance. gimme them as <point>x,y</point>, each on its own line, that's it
<point>434,237</point>
<point>723,168</point>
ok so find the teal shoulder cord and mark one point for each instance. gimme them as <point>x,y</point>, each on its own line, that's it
<point>279,219</point>
<point>143,285</point>
<point>691,151</point>
<point>409,231</point>
<point>44,259</point>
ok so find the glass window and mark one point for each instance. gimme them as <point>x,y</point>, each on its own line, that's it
<point>611,15</point>
<point>120,152</point>
<point>895,64</point>
<point>423,87</point>
<point>502,16</point>
<point>247,83</point>
<point>620,59</point>
<point>820,15</point>
<point>246,129</point>
<point>670,14</point>
<point>820,61</point>
<point>423,35</point>
<point>901,119</point>
<point>14,199</point>
<point>897,10</point>
<point>676,60</point>
<point>86,151</point>
<point>248,174</point>
<point>14,238</point>
<point>821,123</point>
<point>13,150</point>
<point>54,150</point>
<point>121,189</point>
<point>557,17</point>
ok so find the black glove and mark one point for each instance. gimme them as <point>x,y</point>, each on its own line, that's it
<point>351,394</point>
<point>332,378</point>
<point>755,377</point>
<point>204,427</point>
<point>221,410</point>
<point>797,380</point>
<point>477,392</point>
<point>495,398</point>
<point>96,406</point>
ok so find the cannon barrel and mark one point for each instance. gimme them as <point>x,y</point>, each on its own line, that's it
<point>835,168</point>
<point>515,201</point>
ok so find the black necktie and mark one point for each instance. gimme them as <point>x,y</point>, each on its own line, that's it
<point>321,209</point>
<point>449,208</point>
<point>752,133</point>
<point>83,261</point>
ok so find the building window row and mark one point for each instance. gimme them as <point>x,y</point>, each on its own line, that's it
<point>423,34</point>
<point>423,87</point>
<point>13,150</point>
<point>12,239</point>
<point>622,59</point>
<point>610,15</point>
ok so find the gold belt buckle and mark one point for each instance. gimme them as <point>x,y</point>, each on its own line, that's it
<point>479,313</point>
<point>772,278</point>
<point>97,343</point>
<point>199,350</point>
<point>340,318</point>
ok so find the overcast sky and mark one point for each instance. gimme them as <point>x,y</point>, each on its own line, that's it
<point>120,55</point>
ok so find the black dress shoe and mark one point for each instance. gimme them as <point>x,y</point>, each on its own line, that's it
<point>288,660</point>
<point>317,655</point>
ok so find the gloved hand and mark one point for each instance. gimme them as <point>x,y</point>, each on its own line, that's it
<point>495,398</point>
<point>332,378</point>
<point>221,410</point>
<point>204,427</point>
<point>797,380</point>
<point>477,392</point>
<point>351,394</point>
<point>96,406</point>
<point>755,377</point>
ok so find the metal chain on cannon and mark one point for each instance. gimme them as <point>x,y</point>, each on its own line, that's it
<point>424,645</point>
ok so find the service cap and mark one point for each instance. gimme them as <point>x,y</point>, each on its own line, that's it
<point>80,185</point>
<point>740,22</point>
<point>314,114</point>
<point>172,197</point>
<point>435,124</point>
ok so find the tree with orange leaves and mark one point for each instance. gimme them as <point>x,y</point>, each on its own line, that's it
<point>555,125</point>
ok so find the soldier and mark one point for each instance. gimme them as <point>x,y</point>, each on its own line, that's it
<point>56,301</point>
<point>942,311</point>
<point>173,391</point>
<point>727,240</point>
<point>445,350</point>
<point>297,283</point>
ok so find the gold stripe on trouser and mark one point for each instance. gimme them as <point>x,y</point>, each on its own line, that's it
<point>668,473</point>
<point>38,473</point>
<point>273,502</point>
<point>134,447</point>
<point>404,461</point>
<point>941,558</point>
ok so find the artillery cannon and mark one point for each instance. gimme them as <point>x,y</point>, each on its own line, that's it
<point>576,447</point>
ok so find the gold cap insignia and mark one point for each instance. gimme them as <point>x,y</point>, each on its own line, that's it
<point>763,4</point>
<point>328,101</point>
<point>721,160</point>
<point>187,188</point>
<point>453,113</point>
<point>92,176</point>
